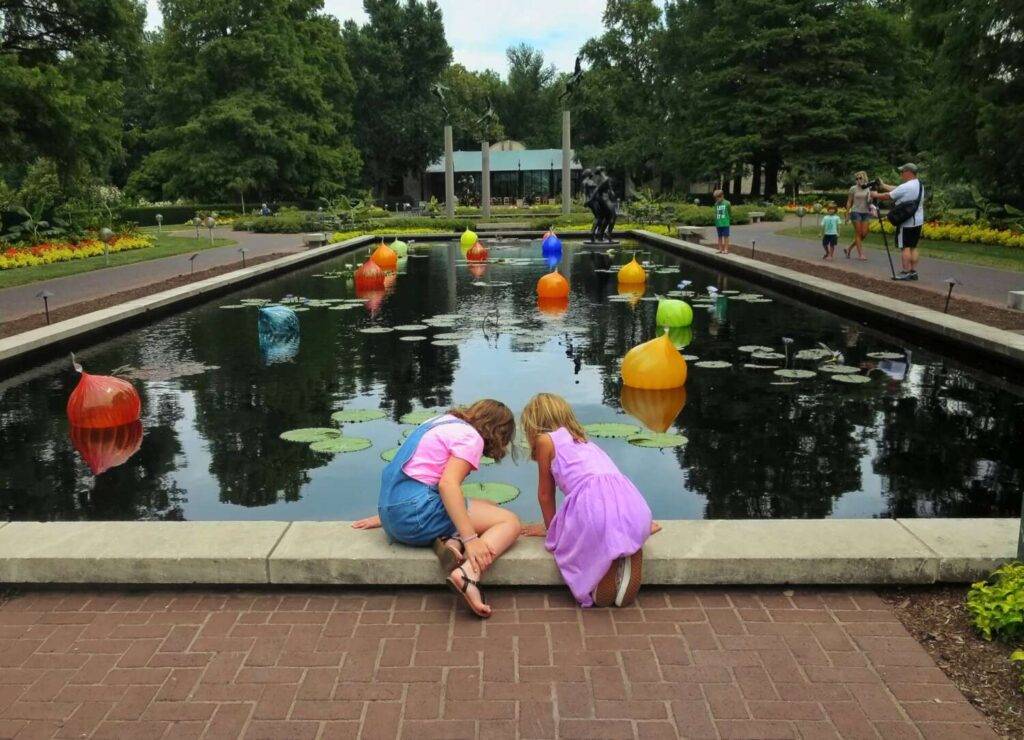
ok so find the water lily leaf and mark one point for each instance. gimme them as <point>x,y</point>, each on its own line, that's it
<point>666,270</point>
<point>410,327</point>
<point>611,430</point>
<point>768,355</point>
<point>300,308</point>
<point>756,348</point>
<point>885,355</point>
<point>760,300</point>
<point>784,382</point>
<point>341,444</point>
<point>412,338</point>
<point>354,416</point>
<point>795,374</point>
<point>813,354</point>
<point>376,330</point>
<point>756,366</point>
<point>713,364</point>
<point>344,307</point>
<point>418,417</point>
<point>239,305</point>
<point>389,455</point>
<point>691,358</point>
<point>452,335</point>
<point>498,493</point>
<point>658,440</point>
<point>729,292</point>
<point>310,434</point>
<point>829,367</point>
<point>851,379</point>
<point>446,343</point>
<point>484,460</point>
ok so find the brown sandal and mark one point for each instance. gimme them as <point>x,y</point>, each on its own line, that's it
<point>461,590</point>
<point>450,559</point>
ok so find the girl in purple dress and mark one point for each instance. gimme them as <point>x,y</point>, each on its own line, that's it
<point>597,534</point>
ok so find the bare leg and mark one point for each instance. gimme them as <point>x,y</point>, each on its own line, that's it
<point>913,259</point>
<point>499,528</point>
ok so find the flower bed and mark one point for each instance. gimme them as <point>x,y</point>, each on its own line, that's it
<point>942,231</point>
<point>50,252</point>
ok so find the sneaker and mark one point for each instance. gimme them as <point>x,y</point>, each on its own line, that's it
<point>904,276</point>
<point>912,275</point>
<point>630,579</point>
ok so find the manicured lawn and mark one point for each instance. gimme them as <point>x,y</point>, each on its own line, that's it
<point>165,246</point>
<point>987,255</point>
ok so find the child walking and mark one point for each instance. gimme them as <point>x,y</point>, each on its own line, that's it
<point>830,232</point>
<point>723,220</point>
<point>421,501</point>
<point>597,535</point>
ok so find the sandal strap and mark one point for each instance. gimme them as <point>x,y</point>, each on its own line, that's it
<point>467,582</point>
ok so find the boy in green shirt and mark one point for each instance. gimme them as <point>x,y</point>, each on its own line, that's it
<point>830,232</point>
<point>723,219</point>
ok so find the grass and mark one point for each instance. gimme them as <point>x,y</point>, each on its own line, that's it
<point>985,255</point>
<point>164,246</point>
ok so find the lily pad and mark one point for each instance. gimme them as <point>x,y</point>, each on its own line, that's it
<point>755,348</point>
<point>354,416</point>
<point>344,307</point>
<point>852,379</point>
<point>341,444</point>
<point>660,441</point>
<point>389,455</point>
<point>713,364</point>
<point>784,382</point>
<point>498,493</point>
<point>410,327</point>
<point>756,366</point>
<point>795,374</point>
<point>412,338</point>
<point>813,354</point>
<point>484,460</point>
<point>418,417</point>
<point>446,343</point>
<point>768,356</point>
<point>729,292</point>
<point>376,330</point>
<point>691,358</point>
<point>310,434</point>
<point>611,430</point>
<point>452,335</point>
<point>300,308</point>
<point>829,367</point>
<point>885,355</point>
<point>238,305</point>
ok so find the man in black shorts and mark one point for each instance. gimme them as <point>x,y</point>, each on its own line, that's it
<point>909,232</point>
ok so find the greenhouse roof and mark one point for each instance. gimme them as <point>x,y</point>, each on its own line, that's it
<point>528,159</point>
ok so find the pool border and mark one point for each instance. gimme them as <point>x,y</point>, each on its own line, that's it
<point>686,553</point>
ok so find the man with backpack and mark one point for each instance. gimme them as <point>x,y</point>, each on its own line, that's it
<point>906,215</point>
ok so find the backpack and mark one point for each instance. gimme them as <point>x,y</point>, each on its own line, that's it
<point>902,212</point>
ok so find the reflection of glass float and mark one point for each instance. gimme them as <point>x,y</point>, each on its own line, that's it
<point>551,245</point>
<point>552,260</point>
<point>467,240</point>
<point>673,312</point>
<point>477,253</point>
<point>553,307</point>
<point>277,321</point>
<point>390,279</point>
<point>478,269</point>
<point>385,257</point>
<point>369,276</point>
<point>103,449</point>
<point>633,291</point>
<point>655,409</point>
<point>680,336</point>
<point>374,299</point>
<point>654,365</point>
<point>553,285</point>
<point>276,348</point>
<point>632,273</point>
<point>400,247</point>
<point>101,401</point>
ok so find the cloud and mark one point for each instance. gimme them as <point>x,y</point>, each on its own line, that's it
<point>479,31</point>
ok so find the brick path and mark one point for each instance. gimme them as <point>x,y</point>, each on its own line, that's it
<point>338,663</point>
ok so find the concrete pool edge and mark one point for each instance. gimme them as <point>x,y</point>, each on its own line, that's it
<point>703,552</point>
<point>1000,344</point>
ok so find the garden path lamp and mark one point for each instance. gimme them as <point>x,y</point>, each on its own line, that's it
<point>46,296</point>
<point>242,251</point>
<point>320,211</point>
<point>159,223</point>
<point>210,223</point>
<point>951,282</point>
<point>800,213</point>
<point>197,222</point>
<point>192,263</point>
<point>106,236</point>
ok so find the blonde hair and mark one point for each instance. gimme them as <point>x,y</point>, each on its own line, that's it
<point>859,175</point>
<point>493,420</point>
<point>546,412</point>
<point>717,193</point>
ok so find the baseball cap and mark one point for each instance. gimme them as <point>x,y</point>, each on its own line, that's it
<point>909,166</point>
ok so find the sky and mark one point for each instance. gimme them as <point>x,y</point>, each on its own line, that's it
<point>479,31</point>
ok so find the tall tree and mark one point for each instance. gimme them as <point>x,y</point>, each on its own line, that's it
<point>395,58</point>
<point>471,95</point>
<point>250,95</point>
<point>528,106</point>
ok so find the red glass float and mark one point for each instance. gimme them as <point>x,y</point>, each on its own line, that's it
<point>553,285</point>
<point>385,257</point>
<point>477,253</point>
<point>369,276</point>
<point>101,401</point>
<point>103,449</point>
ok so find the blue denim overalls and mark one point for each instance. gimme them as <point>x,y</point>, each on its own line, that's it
<point>411,512</point>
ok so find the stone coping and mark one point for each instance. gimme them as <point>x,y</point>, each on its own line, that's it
<point>711,552</point>
<point>1006,347</point>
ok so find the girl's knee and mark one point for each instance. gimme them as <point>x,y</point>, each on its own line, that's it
<point>508,517</point>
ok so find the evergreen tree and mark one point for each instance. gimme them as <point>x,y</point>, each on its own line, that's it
<point>528,106</point>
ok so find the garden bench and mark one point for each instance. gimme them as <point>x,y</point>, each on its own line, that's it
<point>756,216</point>
<point>315,239</point>
<point>1015,300</point>
<point>690,232</point>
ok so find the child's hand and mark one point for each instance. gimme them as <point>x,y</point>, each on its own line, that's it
<point>534,530</point>
<point>370,522</point>
<point>479,555</point>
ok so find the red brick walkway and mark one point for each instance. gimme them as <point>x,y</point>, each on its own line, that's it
<point>685,662</point>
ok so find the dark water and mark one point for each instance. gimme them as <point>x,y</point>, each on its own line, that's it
<point>938,442</point>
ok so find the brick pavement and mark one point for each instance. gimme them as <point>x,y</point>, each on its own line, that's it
<point>700,663</point>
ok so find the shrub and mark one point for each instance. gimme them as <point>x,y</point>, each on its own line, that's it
<point>996,605</point>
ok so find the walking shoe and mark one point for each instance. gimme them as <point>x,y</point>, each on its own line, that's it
<point>904,276</point>
<point>912,275</point>
<point>630,579</point>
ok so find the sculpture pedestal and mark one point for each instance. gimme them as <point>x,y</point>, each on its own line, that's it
<point>609,243</point>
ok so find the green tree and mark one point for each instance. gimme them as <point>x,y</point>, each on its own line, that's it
<point>254,94</point>
<point>528,106</point>
<point>470,95</point>
<point>395,58</point>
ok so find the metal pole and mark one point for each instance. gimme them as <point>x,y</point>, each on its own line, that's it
<point>46,308</point>
<point>566,163</point>
<point>885,241</point>
<point>485,179</point>
<point>449,173</point>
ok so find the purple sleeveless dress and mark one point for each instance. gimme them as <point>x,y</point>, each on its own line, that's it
<point>603,516</point>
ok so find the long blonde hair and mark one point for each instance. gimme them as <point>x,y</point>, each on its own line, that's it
<point>494,421</point>
<point>546,412</point>
<point>859,175</point>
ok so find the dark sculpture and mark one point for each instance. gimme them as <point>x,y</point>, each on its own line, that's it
<point>440,92</point>
<point>599,196</point>
<point>573,81</point>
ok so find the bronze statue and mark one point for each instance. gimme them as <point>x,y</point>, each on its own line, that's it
<point>573,81</point>
<point>602,201</point>
<point>440,92</point>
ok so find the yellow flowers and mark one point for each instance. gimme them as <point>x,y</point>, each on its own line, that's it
<point>958,233</point>
<point>50,252</point>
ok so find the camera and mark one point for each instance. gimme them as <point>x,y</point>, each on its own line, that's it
<point>872,184</point>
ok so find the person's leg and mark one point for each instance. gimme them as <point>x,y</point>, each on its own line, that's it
<point>863,228</point>
<point>497,527</point>
<point>913,258</point>
<point>726,241</point>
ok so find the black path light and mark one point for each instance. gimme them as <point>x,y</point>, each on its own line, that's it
<point>197,222</point>
<point>192,264</point>
<point>951,282</point>
<point>106,236</point>
<point>753,246</point>
<point>320,212</point>
<point>242,251</point>
<point>210,223</point>
<point>159,223</point>
<point>46,296</point>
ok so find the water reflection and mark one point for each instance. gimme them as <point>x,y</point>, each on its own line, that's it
<point>103,449</point>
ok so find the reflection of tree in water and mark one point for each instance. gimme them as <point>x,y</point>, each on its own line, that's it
<point>943,452</point>
<point>42,476</point>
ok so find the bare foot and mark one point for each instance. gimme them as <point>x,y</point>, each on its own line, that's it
<point>655,528</point>
<point>471,594</point>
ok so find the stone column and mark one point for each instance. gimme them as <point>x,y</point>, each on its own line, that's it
<point>566,166</point>
<point>449,173</point>
<point>485,179</point>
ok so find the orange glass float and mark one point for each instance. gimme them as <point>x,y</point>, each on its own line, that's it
<point>654,365</point>
<point>385,257</point>
<point>632,273</point>
<point>553,285</point>
<point>553,307</point>
<point>369,276</point>
<point>101,401</point>
<point>103,449</point>
<point>477,253</point>
<point>655,409</point>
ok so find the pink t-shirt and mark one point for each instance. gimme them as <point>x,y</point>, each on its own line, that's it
<point>441,443</point>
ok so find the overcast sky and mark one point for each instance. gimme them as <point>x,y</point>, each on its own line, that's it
<point>479,31</point>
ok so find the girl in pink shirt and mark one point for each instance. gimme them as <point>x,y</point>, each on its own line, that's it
<point>421,501</point>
